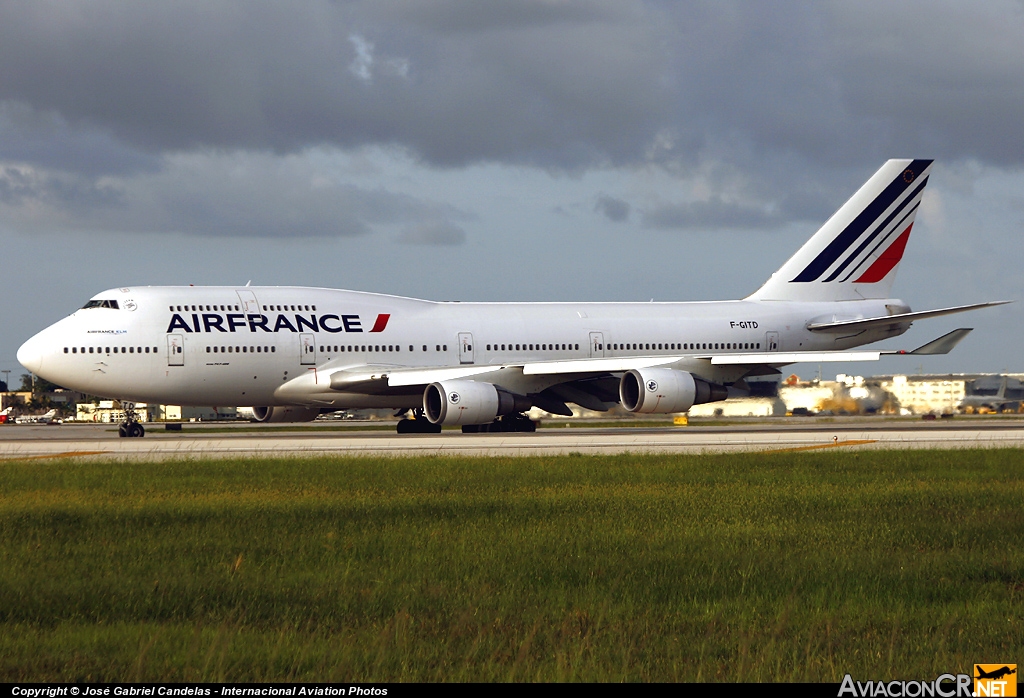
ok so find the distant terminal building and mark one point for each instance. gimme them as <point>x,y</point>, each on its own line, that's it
<point>953,393</point>
<point>926,394</point>
<point>890,394</point>
<point>110,412</point>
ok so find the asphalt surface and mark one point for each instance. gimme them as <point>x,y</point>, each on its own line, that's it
<point>102,441</point>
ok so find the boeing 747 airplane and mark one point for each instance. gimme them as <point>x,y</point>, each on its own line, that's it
<point>294,352</point>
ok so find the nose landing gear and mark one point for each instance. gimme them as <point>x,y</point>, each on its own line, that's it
<point>130,427</point>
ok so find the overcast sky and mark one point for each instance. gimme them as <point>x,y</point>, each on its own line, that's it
<point>531,150</point>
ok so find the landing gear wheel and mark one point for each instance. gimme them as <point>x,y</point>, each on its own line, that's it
<point>130,427</point>
<point>518,422</point>
<point>417,426</point>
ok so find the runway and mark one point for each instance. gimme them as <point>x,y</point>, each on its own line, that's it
<point>101,440</point>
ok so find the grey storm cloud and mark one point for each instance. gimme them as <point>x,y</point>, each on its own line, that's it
<point>555,84</point>
<point>708,215</point>
<point>615,210</point>
<point>515,82</point>
<point>244,195</point>
<point>100,100</point>
<point>433,233</point>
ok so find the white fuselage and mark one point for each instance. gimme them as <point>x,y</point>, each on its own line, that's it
<point>238,346</point>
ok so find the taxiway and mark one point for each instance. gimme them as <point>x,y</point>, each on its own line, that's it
<point>101,440</point>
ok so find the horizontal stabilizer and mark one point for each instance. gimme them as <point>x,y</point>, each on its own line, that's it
<point>865,323</point>
<point>942,345</point>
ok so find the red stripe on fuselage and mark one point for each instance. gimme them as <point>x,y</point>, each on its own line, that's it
<point>889,259</point>
<point>382,322</point>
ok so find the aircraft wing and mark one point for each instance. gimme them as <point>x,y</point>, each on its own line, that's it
<point>374,378</point>
<point>864,323</point>
<point>780,358</point>
<point>378,379</point>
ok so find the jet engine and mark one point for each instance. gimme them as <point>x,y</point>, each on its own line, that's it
<point>285,414</point>
<point>662,390</point>
<point>469,402</point>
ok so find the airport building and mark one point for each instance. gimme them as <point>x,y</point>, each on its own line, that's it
<point>891,394</point>
<point>110,412</point>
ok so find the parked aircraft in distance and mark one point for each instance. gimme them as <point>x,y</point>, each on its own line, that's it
<point>992,402</point>
<point>293,352</point>
<point>48,418</point>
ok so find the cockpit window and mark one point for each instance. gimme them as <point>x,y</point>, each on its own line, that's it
<point>100,304</point>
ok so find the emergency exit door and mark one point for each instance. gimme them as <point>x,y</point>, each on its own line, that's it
<point>465,347</point>
<point>175,350</point>
<point>307,345</point>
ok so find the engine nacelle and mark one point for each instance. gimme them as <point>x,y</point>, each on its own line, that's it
<point>285,414</point>
<point>469,402</point>
<point>663,390</point>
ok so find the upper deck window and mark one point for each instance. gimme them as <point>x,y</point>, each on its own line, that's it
<point>100,304</point>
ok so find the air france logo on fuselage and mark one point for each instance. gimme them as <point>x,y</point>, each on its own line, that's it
<point>253,322</point>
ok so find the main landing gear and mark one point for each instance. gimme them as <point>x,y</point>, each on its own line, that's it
<point>130,427</point>
<point>418,424</point>
<point>509,422</point>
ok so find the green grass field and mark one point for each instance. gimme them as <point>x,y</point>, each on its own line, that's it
<point>788,566</point>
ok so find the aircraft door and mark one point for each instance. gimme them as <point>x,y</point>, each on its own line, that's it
<point>175,350</point>
<point>596,345</point>
<point>771,341</point>
<point>465,347</point>
<point>249,303</point>
<point>307,347</point>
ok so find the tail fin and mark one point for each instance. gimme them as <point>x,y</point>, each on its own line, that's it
<point>855,253</point>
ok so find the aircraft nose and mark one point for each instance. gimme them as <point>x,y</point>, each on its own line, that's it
<point>30,355</point>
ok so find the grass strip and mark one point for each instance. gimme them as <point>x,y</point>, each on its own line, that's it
<point>729,567</point>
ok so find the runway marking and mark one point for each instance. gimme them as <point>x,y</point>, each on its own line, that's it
<point>834,444</point>
<point>66,454</point>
